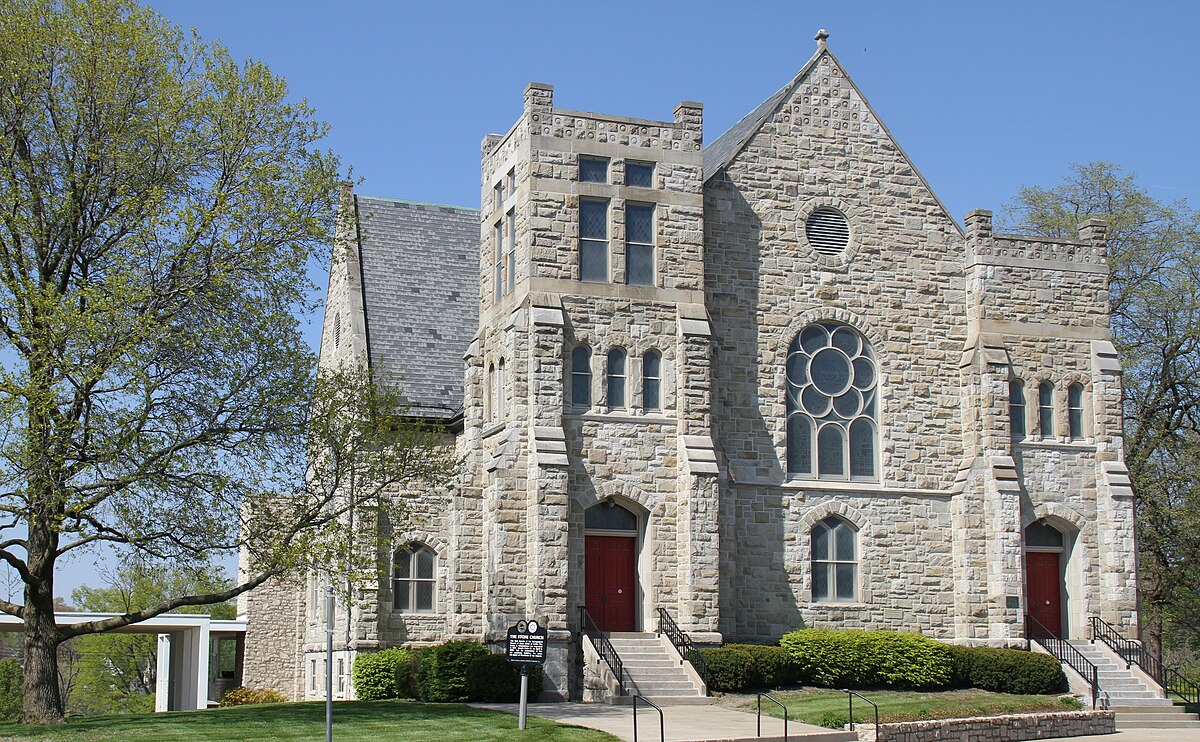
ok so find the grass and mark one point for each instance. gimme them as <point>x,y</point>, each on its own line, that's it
<point>829,708</point>
<point>373,721</point>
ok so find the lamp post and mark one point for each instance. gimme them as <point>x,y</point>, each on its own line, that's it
<point>329,664</point>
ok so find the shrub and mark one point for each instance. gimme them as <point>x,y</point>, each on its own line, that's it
<point>772,668</point>
<point>492,678</point>
<point>442,673</point>
<point>243,696</point>
<point>854,658</point>
<point>11,689</point>
<point>729,669</point>
<point>407,669</point>
<point>375,675</point>
<point>1007,670</point>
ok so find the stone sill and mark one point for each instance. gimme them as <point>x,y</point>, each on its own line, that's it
<point>816,606</point>
<point>623,416</point>
<point>493,428</point>
<point>1054,445</point>
<point>866,488</point>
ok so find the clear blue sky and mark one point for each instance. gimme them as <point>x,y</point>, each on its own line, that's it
<point>984,96</point>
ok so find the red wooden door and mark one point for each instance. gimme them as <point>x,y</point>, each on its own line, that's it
<point>1043,583</point>
<point>609,595</point>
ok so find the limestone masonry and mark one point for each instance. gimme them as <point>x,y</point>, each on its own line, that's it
<point>759,385</point>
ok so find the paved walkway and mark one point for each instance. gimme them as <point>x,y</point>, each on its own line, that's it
<point>683,723</point>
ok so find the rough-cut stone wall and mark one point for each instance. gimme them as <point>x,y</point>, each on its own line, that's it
<point>274,636</point>
<point>1008,728</point>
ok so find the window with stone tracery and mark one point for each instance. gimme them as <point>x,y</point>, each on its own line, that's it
<point>832,404</point>
<point>413,579</point>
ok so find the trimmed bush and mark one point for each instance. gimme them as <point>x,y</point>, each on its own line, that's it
<point>1007,670</point>
<point>773,666</point>
<point>12,692</point>
<point>493,679</point>
<point>407,669</point>
<point>729,670</point>
<point>375,674</point>
<point>442,674</point>
<point>243,696</point>
<point>854,658</point>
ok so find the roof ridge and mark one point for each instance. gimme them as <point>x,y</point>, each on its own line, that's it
<point>412,202</point>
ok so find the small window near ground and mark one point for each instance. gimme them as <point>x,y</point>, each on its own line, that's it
<point>639,174</point>
<point>834,561</point>
<point>593,170</point>
<point>413,579</point>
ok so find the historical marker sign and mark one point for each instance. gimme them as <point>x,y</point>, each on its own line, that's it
<point>527,643</point>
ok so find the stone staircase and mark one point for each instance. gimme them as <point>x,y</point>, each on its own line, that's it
<point>652,670</point>
<point>1138,703</point>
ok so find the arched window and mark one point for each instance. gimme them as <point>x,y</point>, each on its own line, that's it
<point>501,391</point>
<point>489,401</point>
<point>1046,409</point>
<point>834,561</point>
<point>1075,411</point>
<point>413,579</point>
<point>652,380</point>
<point>581,376</point>
<point>832,390</point>
<point>616,378</point>
<point>1016,408</point>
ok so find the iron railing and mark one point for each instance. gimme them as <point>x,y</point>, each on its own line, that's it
<point>850,697</point>
<point>588,628</point>
<point>683,644</point>
<point>1135,654</point>
<point>758,724</point>
<point>1062,651</point>
<point>662,723</point>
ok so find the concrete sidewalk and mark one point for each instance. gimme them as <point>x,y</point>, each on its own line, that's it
<point>682,723</point>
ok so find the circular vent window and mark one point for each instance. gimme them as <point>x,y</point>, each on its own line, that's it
<point>827,231</point>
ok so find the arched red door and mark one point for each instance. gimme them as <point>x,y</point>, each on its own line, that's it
<point>611,585</point>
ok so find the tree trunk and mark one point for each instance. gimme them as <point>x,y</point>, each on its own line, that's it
<point>43,700</point>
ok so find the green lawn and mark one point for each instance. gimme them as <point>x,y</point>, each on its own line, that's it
<point>373,721</point>
<point>828,708</point>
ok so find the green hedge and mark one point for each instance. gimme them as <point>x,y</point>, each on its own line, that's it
<point>243,696</point>
<point>492,678</point>
<point>729,669</point>
<point>12,691</point>
<point>1006,670</point>
<point>389,673</point>
<point>442,675</point>
<point>854,658</point>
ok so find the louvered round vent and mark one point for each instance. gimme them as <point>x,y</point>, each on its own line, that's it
<point>827,231</point>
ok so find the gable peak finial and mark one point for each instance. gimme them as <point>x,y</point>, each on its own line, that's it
<point>821,36</point>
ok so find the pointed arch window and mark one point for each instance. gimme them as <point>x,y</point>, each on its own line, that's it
<point>1075,411</point>
<point>413,581</point>
<point>581,376</point>
<point>1046,409</point>
<point>834,561</point>
<point>652,381</point>
<point>832,404</point>
<point>616,378</point>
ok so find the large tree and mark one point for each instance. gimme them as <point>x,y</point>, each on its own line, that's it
<point>1154,262</point>
<point>159,206</point>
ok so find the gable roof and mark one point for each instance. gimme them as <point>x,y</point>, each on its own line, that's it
<point>730,144</point>
<point>727,146</point>
<point>420,286</point>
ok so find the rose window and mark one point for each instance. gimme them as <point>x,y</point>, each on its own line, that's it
<point>832,389</point>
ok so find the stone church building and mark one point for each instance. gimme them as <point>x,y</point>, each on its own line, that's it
<point>755,385</point>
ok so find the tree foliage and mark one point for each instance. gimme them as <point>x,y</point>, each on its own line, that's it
<point>160,203</point>
<point>1154,261</point>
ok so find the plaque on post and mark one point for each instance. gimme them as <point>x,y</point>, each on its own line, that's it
<point>526,646</point>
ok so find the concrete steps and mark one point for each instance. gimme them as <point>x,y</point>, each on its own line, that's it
<point>1119,685</point>
<point>652,671</point>
<point>1155,717</point>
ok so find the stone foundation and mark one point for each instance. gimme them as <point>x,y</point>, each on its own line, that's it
<point>1008,728</point>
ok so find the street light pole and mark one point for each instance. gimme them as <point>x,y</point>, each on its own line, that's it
<point>329,664</point>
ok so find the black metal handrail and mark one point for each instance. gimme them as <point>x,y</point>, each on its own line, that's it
<point>850,697</point>
<point>662,723</point>
<point>758,726</point>
<point>588,628</point>
<point>1063,651</point>
<point>683,644</point>
<point>1133,652</point>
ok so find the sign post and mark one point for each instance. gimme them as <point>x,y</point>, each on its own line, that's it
<point>526,646</point>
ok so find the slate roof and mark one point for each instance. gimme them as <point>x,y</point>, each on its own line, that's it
<point>420,284</point>
<point>727,146</point>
